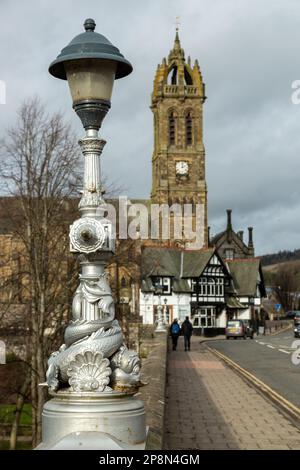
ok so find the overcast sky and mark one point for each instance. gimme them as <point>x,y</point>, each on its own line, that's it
<point>248,51</point>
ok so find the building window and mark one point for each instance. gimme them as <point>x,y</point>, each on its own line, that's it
<point>205,318</point>
<point>172,128</point>
<point>205,287</point>
<point>164,282</point>
<point>219,287</point>
<point>229,253</point>
<point>123,282</point>
<point>189,129</point>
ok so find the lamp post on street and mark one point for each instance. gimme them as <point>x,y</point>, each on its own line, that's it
<point>165,311</point>
<point>93,376</point>
<point>161,328</point>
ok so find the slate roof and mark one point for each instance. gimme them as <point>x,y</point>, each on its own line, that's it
<point>180,265</point>
<point>218,239</point>
<point>161,261</point>
<point>214,240</point>
<point>232,302</point>
<point>173,262</point>
<point>181,285</point>
<point>245,275</point>
<point>194,262</point>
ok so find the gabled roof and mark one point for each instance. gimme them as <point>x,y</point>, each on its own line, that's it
<point>229,238</point>
<point>175,262</point>
<point>147,285</point>
<point>232,302</point>
<point>194,262</point>
<point>245,274</point>
<point>160,261</point>
<point>181,285</point>
<point>218,240</point>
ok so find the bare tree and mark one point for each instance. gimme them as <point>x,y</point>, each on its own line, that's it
<point>40,168</point>
<point>286,287</point>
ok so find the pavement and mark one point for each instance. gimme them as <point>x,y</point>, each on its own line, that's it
<point>209,406</point>
<point>269,358</point>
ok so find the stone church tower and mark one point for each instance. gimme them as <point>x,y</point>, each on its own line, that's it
<point>178,162</point>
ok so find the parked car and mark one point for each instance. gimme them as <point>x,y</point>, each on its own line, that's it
<point>292,315</point>
<point>297,318</point>
<point>297,331</point>
<point>249,328</point>
<point>239,329</point>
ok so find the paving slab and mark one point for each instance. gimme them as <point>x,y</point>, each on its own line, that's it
<point>209,406</point>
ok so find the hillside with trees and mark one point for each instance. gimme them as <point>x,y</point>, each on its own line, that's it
<point>280,257</point>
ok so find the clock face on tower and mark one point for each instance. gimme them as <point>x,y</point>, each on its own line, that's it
<point>182,168</point>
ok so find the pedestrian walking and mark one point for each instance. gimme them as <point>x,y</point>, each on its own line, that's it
<point>175,332</point>
<point>187,329</point>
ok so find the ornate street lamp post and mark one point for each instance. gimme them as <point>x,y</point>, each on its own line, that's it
<point>93,377</point>
<point>165,311</point>
<point>161,328</point>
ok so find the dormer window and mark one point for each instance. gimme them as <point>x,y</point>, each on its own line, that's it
<point>164,283</point>
<point>229,253</point>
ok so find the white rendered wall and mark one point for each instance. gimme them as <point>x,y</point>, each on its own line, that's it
<point>179,302</point>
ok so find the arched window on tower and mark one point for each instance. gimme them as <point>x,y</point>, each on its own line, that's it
<point>172,76</point>
<point>187,77</point>
<point>189,129</point>
<point>172,128</point>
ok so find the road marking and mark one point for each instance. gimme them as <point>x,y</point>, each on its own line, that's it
<point>260,342</point>
<point>284,351</point>
<point>279,399</point>
<point>269,346</point>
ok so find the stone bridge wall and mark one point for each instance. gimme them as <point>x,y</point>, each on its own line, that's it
<point>153,352</point>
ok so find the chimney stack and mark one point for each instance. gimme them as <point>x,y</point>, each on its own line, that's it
<point>250,243</point>
<point>229,225</point>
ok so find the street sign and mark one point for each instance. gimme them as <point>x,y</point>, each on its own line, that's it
<point>277,307</point>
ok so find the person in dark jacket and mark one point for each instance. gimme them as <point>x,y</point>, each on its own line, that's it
<point>187,329</point>
<point>175,332</point>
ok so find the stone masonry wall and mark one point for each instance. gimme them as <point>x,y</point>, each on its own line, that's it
<point>153,351</point>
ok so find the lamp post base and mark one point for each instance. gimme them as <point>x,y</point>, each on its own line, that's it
<point>161,328</point>
<point>93,421</point>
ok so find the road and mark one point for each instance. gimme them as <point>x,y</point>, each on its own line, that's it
<point>269,358</point>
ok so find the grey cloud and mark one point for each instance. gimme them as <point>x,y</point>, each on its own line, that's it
<point>248,54</point>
